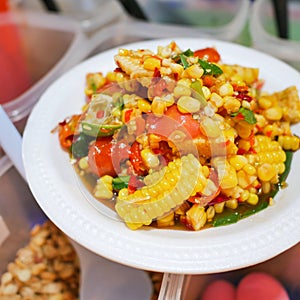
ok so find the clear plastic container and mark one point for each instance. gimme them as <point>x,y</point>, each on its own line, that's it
<point>44,45</point>
<point>38,47</point>
<point>263,29</point>
<point>222,19</point>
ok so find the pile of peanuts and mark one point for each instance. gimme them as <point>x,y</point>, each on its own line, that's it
<point>46,268</point>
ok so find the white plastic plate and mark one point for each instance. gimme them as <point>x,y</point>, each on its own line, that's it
<point>55,185</point>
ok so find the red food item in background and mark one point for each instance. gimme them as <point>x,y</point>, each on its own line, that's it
<point>260,286</point>
<point>220,289</point>
<point>100,157</point>
<point>14,73</point>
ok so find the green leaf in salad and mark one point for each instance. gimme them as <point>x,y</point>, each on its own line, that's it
<point>246,114</point>
<point>120,182</point>
<point>80,146</point>
<point>210,68</point>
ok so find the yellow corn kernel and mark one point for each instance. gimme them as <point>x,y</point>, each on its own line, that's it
<point>289,142</point>
<point>210,127</point>
<point>249,169</point>
<point>152,63</point>
<point>106,179</point>
<point>261,121</point>
<point>205,171</point>
<point>189,104</point>
<point>123,52</point>
<point>244,195</point>
<point>252,199</point>
<point>280,168</point>
<point>144,106</point>
<point>243,179</point>
<point>273,113</point>
<point>266,187</point>
<point>154,140</point>
<point>182,90</point>
<point>169,100</point>
<point>210,213</point>
<point>246,104</point>
<point>207,93</point>
<point>150,159</point>
<point>216,99</point>
<point>219,207</point>
<point>226,89</point>
<point>111,76</point>
<point>166,221</point>
<point>196,216</point>
<point>244,144</point>
<point>231,104</point>
<point>266,172</point>
<point>238,161</point>
<point>184,82</point>
<point>158,106</point>
<point>195,71</point>
<point>264,102</point>
<point>182,209</point>
<point>244,130</point>
<point>83,163</point>
<point>103,188</point>
<point>232,203</point>
<point>227,176</point>
<point>123,193</point>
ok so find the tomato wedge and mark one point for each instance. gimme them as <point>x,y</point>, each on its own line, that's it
<point>185,120</point>
<point>100,157</point>
<point>210,54</point>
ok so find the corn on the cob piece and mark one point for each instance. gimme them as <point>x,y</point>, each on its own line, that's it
<point>103,188</point>
<point>246,74</point>
<point>196,216</point>
<point>289,101</point>
<point>164,191</point>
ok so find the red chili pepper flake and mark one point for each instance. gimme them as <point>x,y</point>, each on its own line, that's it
<point>243,96</point>
<point>240,88</point>
<point>127,115</point>
<point>156,73</point>
<point>240,116</point>
<point>241,151</point>
<point>269,133</point>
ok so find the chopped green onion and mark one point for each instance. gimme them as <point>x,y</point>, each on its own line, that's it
<point>197,92</point>
<point>184,61</point>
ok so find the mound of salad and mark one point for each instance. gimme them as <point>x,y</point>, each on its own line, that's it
<point>179,139</point>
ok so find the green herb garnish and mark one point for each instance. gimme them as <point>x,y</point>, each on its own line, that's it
<point>210,68</point>
<point>245,114</point>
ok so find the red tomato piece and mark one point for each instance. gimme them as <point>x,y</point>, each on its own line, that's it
<point>185,120</point>
<point>209,53</point>
<point>136,159</point>
<point>100,157</point>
